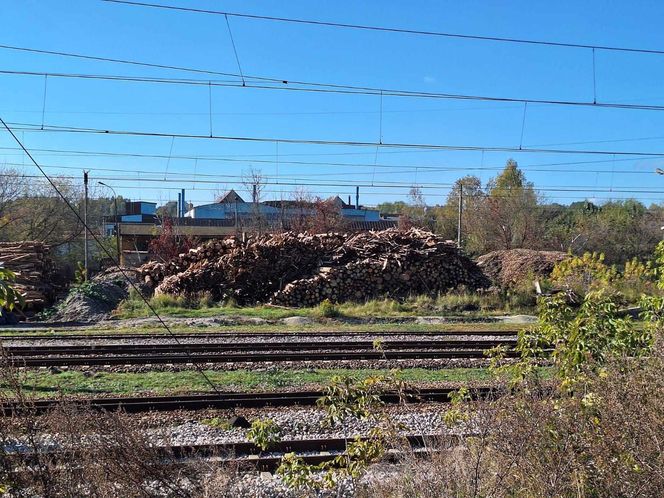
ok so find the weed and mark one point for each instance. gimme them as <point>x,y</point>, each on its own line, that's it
<point>264,433</point>
<point>327,309</point>
<point>217,423</point>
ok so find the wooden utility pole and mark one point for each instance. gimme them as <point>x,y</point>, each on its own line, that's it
<point>460,214</point>
<point>85,222</point>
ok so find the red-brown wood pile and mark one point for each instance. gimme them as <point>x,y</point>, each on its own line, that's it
<point>34,268</point>
<point>510,267</point>
<point>301,269</point>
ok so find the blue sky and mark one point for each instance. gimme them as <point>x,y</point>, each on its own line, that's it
<point>339,56</point>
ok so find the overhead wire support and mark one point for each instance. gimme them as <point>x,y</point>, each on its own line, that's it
<point>170,154</point>
<point>380,126</point>
<point>237,58</point>
<point>523,125</point>
<point>104,249</point>
<point>210,104</point>
<point>594,80</point>
<point>44,102</point>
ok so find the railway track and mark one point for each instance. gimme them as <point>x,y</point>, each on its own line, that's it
<point>261,335</point>
<point>177,359</point>
<point>248,456</point>
<point>228,400</point>
<point>312,451</point>
<point>174,348</point>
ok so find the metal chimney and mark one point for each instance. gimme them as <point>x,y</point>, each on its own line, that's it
<point>184,205</point>
<point>357,197</point>
<point>177,214</point>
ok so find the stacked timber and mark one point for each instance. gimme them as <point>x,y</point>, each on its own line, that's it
<point>294,269</point>
<point>391,264</point>
<point>34,269</point>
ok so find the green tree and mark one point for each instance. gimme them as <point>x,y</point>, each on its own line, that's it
<point>474,202</point>
<point>511,214</point>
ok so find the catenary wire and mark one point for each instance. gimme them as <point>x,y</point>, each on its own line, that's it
<point>386,29</point>
<point>431,169</point>
<point>287,85</point>
<point>251,158</point>
<point>384,185</point>
<point>348,143</point>
<point>104,249</point>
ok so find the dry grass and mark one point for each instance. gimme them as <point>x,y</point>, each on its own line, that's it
<point>74,451</point>
<point>607,442</point>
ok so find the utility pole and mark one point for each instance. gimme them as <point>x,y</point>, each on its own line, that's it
<point>117,222</point>
<point>85,222</point>
<point>460,213</point>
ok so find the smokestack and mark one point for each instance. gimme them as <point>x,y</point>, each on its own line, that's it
<point>349,200</point>
<point>357,197</point>
<point>179,205</point>
<point>184,205</point>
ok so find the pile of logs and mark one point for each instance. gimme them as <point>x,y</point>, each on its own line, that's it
<point>294,269</point>
<point>391,264</point>
<point>34,269</point>
<point>512,267</point>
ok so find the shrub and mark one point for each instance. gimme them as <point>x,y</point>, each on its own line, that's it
<point>583,273</point>
<point>327,309</point>
<point>9,298</point>
<point>98,453</point>
<point>264,433</point>
<point>603,441</point>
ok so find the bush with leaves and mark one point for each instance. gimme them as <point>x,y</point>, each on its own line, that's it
<point>577,340</point>
<point>347,397</point>
<point>582,274</point>
<point>264,433</point>
<point>9,297</point>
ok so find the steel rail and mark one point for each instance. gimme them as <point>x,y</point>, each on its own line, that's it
<point>232,335</point>
<point>96,349</point>
<point>225,401</point>
<point>248,456</point>
<point>256,357</point>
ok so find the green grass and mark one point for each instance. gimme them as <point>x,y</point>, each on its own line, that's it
<point>46,384</point>
<point>468,304</point>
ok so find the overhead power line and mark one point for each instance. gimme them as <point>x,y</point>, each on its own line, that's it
<point>534,168</point>
<point>386,29</point>
<point>347,143</point>
<point>251,158</point>
<point>268,180</point>
<point>116,263</point>
<point>321,87</point>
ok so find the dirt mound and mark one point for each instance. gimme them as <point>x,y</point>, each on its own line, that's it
<point>94,300</point>
<point>301,269</point>
<point>509,267</point>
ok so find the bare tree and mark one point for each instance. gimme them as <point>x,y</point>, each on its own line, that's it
<point>254,183</point>
<point>38,213</point>
<point>327,216</point>
<point>12,185</point>
<point>300,214</point>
